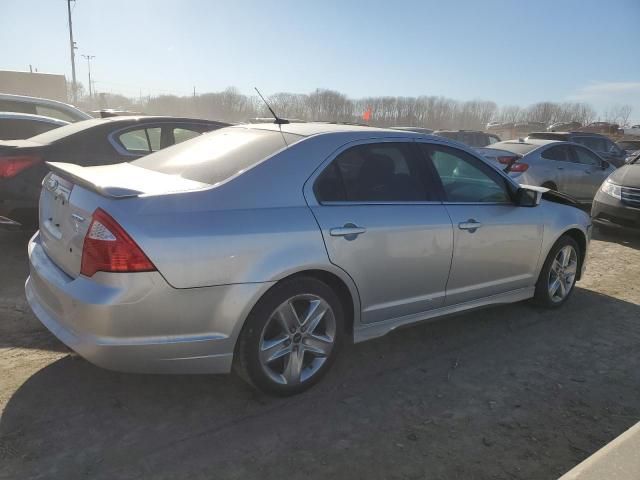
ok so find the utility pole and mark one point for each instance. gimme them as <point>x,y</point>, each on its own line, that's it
<point>89,57</point>
<point>72,44</point>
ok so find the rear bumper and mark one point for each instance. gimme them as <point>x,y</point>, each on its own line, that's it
<point>611,212</point>
<point>137,322</point>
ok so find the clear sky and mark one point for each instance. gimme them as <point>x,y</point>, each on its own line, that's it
<point>509,51</point>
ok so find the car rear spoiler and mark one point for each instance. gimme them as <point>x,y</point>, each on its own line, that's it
<point>124,180</point>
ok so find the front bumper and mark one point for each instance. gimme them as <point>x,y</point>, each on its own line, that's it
<point>611,212</point>
<point>137,322</point>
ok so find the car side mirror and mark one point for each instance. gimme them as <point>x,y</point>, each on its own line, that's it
<point>605,165</point>
<point>527,197</point>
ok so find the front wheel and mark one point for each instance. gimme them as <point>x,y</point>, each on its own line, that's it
<point>559,273</point>
<point>291,337</point>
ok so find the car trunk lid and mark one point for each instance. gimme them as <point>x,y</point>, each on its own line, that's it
<point>71,194</point>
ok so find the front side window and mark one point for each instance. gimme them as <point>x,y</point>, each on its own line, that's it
<point>377,172</point>
<point>585,157</point>
<point>465,178</point>
<point>561,153</point>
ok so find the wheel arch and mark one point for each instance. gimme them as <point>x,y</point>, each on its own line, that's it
<point>581,239</point>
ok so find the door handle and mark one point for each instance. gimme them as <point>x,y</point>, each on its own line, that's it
<point>350,231</point>
<point>588,171</point>
<point>560,168</point>
<point>470,225</point>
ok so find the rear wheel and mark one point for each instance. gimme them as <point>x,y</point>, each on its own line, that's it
<point>291,337</point>
<point>559,273</point>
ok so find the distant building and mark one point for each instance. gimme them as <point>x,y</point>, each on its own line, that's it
<point>46,85</point>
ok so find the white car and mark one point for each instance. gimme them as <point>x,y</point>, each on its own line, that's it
<point>633,130</point>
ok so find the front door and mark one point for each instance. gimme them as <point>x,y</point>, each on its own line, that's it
<point>496,243</point>
<point>383,225</point>
<point>592,173</point>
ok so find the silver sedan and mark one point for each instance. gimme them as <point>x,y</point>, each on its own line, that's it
<point>563,166</point>
<point>267,247</point>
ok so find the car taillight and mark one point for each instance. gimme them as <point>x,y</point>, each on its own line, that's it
<point>11,166</point>
<point>108,248</point>
<point>514,166</point>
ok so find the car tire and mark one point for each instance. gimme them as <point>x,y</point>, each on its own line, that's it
<point>295,304</point>
<point>557,278</point>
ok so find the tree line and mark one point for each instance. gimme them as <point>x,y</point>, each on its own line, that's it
<point>435,112</point>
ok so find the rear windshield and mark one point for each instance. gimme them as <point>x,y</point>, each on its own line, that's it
<point>521,148</point>
<point>548,136</point>
<point>62,132</point>
<point>214,157</point>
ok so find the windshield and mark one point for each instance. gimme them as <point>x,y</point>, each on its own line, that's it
<point>214,157</point>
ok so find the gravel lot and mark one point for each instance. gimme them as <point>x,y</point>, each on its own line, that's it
<point>509,392</point>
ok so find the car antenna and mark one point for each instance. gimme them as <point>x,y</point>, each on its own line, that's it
<point>278,120</point>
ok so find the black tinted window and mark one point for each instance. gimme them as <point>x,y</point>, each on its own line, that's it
<point>465,178</point>
<point>13,129</point>
<point>561,153</point>
<point>380,172</point>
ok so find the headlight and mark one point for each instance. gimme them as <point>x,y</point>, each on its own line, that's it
<point>611,188</point>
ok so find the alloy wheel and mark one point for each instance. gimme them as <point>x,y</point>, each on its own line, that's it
<point>562,274</point>
<point>297,339</point>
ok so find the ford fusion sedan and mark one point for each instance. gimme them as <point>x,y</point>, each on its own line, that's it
<point>265,248</point>
<point>617,203</point>
<point>563,166</point>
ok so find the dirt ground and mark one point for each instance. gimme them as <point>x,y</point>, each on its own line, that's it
<point>509,392</point>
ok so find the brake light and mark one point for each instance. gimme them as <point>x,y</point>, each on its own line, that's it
<point>519,167</point>
<point>514,166</point>
<point>11,166</point>
<point>108,248</point>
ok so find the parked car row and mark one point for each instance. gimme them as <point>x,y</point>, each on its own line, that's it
<point>276,243</point>
<point>86,142</point>
<point>267,247</point>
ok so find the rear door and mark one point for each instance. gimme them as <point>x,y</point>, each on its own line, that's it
<point>496,243</point>
<point>383,224</point>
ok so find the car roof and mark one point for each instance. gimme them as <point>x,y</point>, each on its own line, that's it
<point>31,117</point>
<point>523,147</point>
<point>44,102</point>
<point>319,128</point>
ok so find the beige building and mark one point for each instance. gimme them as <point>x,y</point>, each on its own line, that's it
<point>46,85</point>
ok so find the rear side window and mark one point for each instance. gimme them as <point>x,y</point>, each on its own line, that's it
<point>217,156</point>
<point>377,172</point>
<point>561,153</point>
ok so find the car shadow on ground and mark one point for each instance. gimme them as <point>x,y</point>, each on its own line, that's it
<point>505,392</point>
<point>624,237</point>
